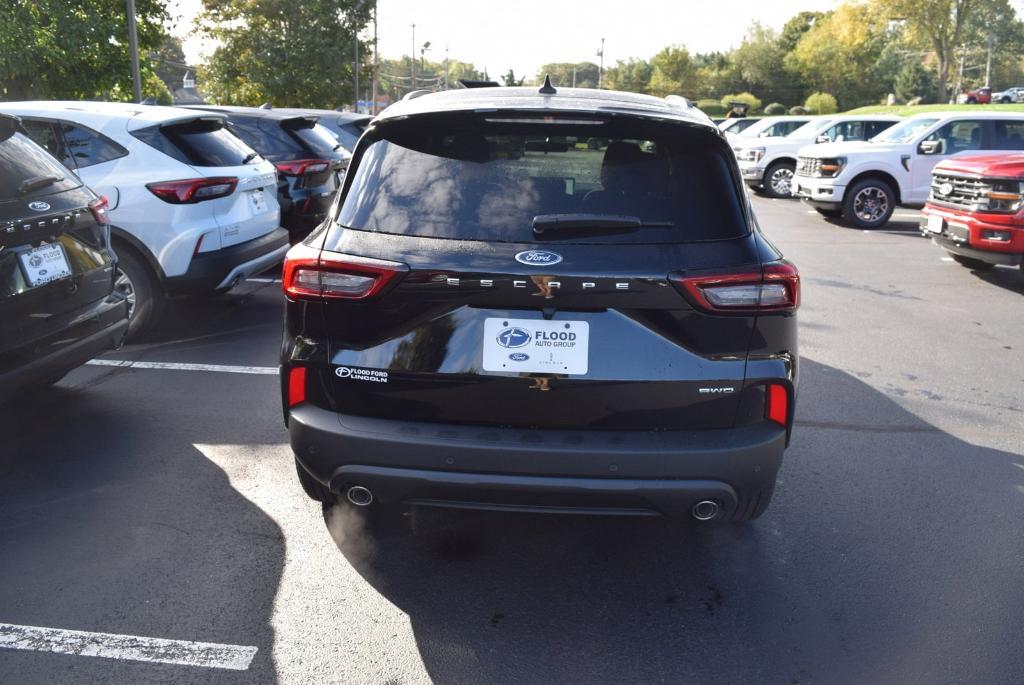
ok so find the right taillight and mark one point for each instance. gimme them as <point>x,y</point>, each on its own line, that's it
<point>310,273</point>
<point>302,167</point>
<point>193,190</point>
<point>772,287</point>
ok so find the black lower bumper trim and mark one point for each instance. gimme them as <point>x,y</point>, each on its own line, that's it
<point>963,250</point>
<point>638,473</point>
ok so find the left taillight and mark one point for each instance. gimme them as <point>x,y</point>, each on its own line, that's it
<point>772,287</point>
<point>100,210</point>
<point>193,190</point>
<point>310,273</point>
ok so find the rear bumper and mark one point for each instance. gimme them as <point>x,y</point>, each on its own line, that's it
<point>614,472</point>
<point>220,269</point>
<point>101,328</point>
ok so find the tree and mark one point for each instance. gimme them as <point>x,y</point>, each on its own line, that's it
<point>761,64</point>
<point>169,62</point>
<point>939,23</point>
<point>673,73</point>
<point>72,49</point>
<point>287,53</point>
<point>511,80</point>
<point>562,74</point>
<point>840,52</point>
<point>914,81</point>
<point>795,28</point>
<point>632,75</point>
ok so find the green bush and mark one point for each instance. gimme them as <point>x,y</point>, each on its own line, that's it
<point>749,98</point>
<point>713,108</point>
<point>775,109</point>
<point>799,109</point>
<point>821,103</point>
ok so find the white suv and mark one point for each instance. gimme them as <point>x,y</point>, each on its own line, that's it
<point>863,182</point>
<point>767,163</point>
<point>768,127</point>
<point>193,209</point>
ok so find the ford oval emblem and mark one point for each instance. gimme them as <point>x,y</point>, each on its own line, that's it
<point>38,206</point>
<point>538,258</point>
<point>514,337</point>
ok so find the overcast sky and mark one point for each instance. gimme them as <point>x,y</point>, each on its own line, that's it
<point>524,34</point>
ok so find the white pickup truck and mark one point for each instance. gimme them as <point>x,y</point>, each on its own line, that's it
<point>864,182</point>
<point>767,164</point>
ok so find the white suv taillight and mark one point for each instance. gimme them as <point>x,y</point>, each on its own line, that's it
<point>310,273</point>
<point>99,208</point>
<point>192,190</point>
<point>302,167</point>
<point>774,287</point>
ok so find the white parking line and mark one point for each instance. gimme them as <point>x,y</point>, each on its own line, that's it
<point>126,647</point>
<point>946,259</point>
<point>176,366</point>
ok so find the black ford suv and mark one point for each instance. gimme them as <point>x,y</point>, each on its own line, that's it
<point>311,162</point>
<point>541,301</point>
<point>58,307</point>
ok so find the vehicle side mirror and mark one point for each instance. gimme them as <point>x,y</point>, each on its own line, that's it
<point>930,147</point>
<point>8,126</point>
<point>822,139</point>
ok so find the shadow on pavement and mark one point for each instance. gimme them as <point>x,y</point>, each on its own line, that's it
<point>112,521</point>
<point>890,555</point>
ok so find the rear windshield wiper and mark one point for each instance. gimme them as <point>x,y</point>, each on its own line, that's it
<point>551,223</point>
<point>249,157</point>
<point>37,182</point>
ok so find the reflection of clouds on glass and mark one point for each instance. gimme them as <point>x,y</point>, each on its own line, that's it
<point>505,207</point>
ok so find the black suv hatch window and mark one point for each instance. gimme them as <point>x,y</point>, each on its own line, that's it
<point>27,170</point>
<point>638,181</point>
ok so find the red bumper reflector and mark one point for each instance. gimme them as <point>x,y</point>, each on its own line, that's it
<point>777,404</point>
<point>296,385</point>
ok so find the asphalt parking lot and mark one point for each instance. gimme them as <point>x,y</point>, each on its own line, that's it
<point>157,502</point>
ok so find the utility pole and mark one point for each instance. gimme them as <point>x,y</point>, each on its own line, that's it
<point>600,69</point>
<point>574,77</point>
<point>960,79</point>
<point>133,45</point>
<point>412,57</point>
<point>373,107</point>
<point>355,71</point>
<point>446,66</point>
<point>988,61</point>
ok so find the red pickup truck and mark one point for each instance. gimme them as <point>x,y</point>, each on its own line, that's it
<point>975,209</point>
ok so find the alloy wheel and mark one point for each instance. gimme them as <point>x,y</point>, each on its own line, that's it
<point>870,204</point>
<point>781,182</point>
<point>123,284</point>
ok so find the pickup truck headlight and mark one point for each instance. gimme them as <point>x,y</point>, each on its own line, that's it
<point>830,167</point>
<point>749,154</point>
<point>1003,196</point>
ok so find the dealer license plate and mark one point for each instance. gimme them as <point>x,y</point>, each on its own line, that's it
<point>536,346</point>
<point>259,201</point>
<point>935,223</point>
<point>44,264</point>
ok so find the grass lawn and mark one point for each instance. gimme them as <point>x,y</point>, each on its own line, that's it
<point>906,111</point>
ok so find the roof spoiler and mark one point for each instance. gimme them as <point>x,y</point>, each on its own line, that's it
<point>470,83</point>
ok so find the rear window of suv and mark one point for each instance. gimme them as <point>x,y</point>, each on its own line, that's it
<point>489,182</point>
<point>27,170</point>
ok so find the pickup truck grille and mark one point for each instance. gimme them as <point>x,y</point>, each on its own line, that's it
<point>962,192</point>
<point>808,166</point>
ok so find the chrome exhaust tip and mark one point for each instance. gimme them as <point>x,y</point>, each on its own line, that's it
<point>359,496</point>
<point>705,510</point>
